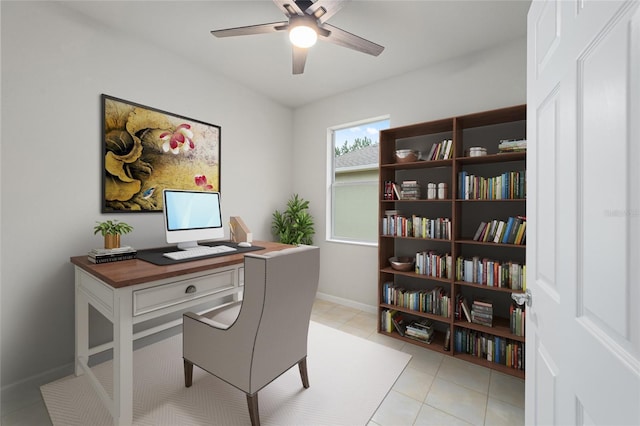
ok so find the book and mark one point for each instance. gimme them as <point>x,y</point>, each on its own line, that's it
<point>507,230</point>
<point>476,237</point>
<point>421,330</point>
<point>398,323</point>
<point>499,231</point>
<point>465,309</point>
<point>103,255</point>
<point>447,339</point>
<point>511,238</point>
<point>396,191</point>
<point>431,152</point>
<point>520,235</point>
<point>111,251</point>
<point>483,303</point>
<point>111,258</point>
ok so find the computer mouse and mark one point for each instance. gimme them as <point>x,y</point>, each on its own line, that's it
<point>244,244</point>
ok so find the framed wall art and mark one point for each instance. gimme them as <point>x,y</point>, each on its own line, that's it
<point>146,150</point>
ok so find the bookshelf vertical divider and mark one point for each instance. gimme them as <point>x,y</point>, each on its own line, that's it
<point>433,299</point>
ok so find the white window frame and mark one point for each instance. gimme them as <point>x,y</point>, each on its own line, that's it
<point>330,183</point>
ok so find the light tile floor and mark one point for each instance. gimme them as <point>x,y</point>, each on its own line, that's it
<point>434,389</point>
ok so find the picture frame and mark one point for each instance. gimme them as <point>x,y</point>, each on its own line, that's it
<point>145,150</point>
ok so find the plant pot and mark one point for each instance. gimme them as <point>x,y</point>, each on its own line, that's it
<point>111,241</point>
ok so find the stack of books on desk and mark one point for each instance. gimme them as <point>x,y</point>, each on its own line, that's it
<point>102,255</point>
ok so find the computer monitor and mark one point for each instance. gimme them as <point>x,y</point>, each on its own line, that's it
<point>191,216</point>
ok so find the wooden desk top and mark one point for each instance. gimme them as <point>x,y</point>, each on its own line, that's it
<point>135,271</point>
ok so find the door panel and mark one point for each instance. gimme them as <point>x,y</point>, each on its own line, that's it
<point>583,212</point>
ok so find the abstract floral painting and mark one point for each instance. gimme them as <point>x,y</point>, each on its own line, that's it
<point>147,150</point>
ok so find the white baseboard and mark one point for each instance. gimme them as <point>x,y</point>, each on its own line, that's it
<point>25,392</point>
<point>347,302</point>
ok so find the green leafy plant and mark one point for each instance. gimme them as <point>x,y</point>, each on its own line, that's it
<point>295,224</point>
<point>112,227</point>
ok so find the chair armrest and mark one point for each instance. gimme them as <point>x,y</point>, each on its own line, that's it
<point>205,320</point>
<point>221,317</point>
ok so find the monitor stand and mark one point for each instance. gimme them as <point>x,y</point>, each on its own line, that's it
<point>188,245</point>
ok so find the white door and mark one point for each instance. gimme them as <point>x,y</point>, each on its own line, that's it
<point>583,209</point>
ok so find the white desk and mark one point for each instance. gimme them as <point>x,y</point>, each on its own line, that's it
<point>134,291</point>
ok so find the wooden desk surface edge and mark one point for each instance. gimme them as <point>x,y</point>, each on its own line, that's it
<point>136,271</point>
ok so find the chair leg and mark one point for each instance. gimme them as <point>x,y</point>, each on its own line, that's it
<point>188,373</point>
<point>254,414</point>
<point>302,366</point>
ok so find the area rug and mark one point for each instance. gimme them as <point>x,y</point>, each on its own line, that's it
<point>349,378</point>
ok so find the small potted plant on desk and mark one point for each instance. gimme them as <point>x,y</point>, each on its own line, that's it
<point>111,231</point>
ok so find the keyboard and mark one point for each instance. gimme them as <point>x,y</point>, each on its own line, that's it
<point>198,252</point>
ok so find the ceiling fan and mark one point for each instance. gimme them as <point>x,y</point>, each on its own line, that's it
<point>307,21</point>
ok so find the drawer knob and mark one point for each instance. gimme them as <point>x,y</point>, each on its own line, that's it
<point>190,289</point>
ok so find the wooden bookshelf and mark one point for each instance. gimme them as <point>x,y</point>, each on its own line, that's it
<point>483,129</point>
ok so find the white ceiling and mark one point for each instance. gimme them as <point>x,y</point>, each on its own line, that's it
<point>415,34</point>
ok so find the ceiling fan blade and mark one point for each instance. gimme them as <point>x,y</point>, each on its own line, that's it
<point>352,41</point>
<point>322,10</point>
<point>251,29</point>
<point>289,7</point>
<point>299,59</point>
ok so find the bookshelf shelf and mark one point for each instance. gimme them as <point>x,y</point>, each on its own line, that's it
<point>488,288</point>
<point>493,158</point>
<point>492,365</point>
<point>436,345</point>
<point>392,271</point>
<point>500,328</point>
<point>417,313</point>
<point>418,164</point>
<point>484,129</point>
<point>482,243</point>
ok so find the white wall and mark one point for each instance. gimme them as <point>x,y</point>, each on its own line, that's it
<point>492,79</point>
<point>55,65</point>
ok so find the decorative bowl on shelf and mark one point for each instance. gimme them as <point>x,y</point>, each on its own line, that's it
<point>406,155</point>
<point>401,263</point>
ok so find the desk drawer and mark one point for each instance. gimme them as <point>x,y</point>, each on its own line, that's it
<point>154,298</point>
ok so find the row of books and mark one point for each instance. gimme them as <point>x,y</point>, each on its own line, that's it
<point>495,349</point>
<point>391,190</point>
<point>407,190</point>
<point>390,320</point>
<point>508,185</point>
<point>415,226</point>
<point>492,273</point>
<point>517,319</point>
<point>419,329</point>
<point>102,255</point>
<point>513,231</point>
<point>435,301</point>
<point>441,150</point>
<point>512,145</point>
<point>434,264</point>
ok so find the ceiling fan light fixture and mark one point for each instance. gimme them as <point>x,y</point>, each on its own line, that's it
<point>303,36</point>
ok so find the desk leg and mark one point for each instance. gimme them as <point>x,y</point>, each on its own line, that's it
<point>82,328</point>
<point>123,359</point>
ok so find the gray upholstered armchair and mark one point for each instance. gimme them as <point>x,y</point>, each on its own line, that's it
<point>250,343</point>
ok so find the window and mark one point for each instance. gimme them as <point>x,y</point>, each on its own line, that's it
<point>352,210</point>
